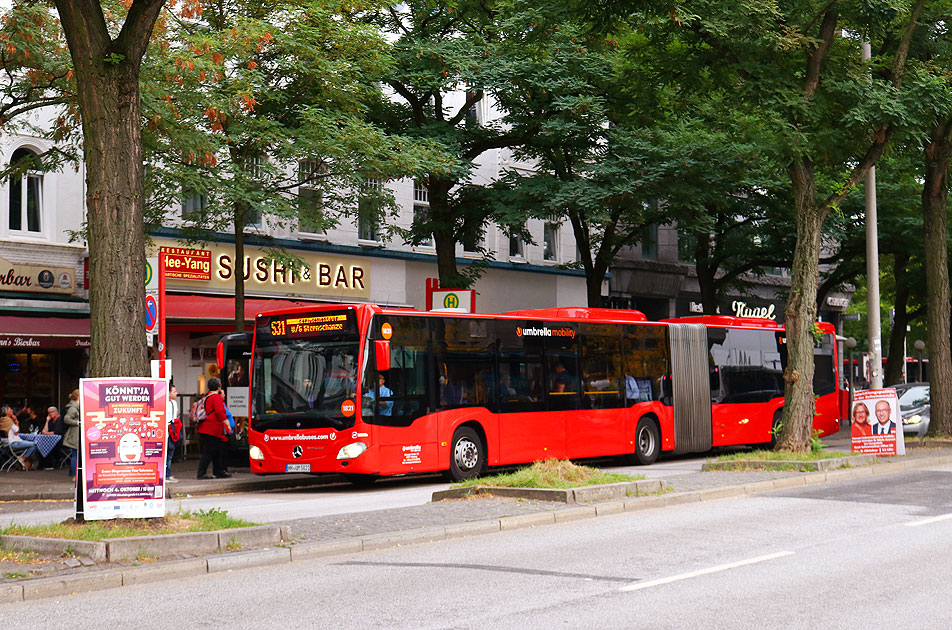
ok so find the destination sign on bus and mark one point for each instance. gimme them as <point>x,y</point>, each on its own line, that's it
<point>313,324</point>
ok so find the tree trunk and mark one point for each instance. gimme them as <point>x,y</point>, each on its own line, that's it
<point>107,80</point>
<point>241,210</point>
<point>593,288</point>
<point>706,273</point>
<point>934,208</point>
<point>897,337</point>
<point>798,410</point>
<point>115,217</point>
<point>444,235</point>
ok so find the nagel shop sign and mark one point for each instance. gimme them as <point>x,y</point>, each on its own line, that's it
<point>321,274</point>
<point>36,278</point>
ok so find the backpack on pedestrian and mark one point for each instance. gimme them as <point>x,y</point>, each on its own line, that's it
<point>175,429</point>
<point>197,412</point>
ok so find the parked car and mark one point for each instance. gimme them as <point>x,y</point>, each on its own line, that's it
<point>914,407</point>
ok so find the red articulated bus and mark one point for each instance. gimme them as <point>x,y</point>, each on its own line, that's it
<point>366,391</point>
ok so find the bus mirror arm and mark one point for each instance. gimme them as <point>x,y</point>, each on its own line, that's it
<point>382,355</point>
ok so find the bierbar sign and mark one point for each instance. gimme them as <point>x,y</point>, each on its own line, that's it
<point>36,278</point>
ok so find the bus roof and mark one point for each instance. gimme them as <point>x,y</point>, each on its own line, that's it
<point>740,322</point>
<point>582,312</point>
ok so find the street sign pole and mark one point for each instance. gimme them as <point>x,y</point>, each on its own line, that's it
<point>161,311</point>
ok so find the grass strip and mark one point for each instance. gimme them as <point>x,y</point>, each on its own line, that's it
<point>551,473</point>
<point>181,522</point>
<point>783,456</point>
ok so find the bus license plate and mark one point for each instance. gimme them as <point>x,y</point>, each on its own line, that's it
<point>297,468</point>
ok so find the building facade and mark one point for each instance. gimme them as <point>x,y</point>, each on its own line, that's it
<point>44,310</point>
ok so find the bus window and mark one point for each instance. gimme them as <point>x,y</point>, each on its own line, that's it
<point>562,373</point>
<point>602,380</point>
<point>464,360</point>
<point>519,385</point>
<point>647,364</point>
<point>748,363</point>
<point>400,395</point>
<point>824,373</point>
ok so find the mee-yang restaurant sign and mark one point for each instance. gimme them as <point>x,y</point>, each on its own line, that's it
<point>320,274</point>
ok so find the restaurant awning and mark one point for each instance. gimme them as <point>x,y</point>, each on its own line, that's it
<point>41,333</point>
<point>214,308</point>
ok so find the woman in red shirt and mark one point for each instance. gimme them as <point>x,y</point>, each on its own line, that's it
<point>213,433</point>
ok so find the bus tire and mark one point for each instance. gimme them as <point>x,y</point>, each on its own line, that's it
<point>647,442</point>
<point>467,455</point>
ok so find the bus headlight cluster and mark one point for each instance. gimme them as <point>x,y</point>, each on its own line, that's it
<point>255,453</point>
<point>352,450</point>
<point>916,419</point>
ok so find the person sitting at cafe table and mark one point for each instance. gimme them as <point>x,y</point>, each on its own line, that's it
<point>24,449</point>
<point>54,424</point>
<point>27,420</point>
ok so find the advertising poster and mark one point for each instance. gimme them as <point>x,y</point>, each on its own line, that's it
<point>875,424</point>
<point>123,428</point>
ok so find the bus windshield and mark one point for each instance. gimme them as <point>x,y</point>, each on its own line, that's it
<point>301,383</point>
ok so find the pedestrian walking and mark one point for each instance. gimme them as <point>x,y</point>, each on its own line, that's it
<point>213,432</point>
<point>71,439</point>
<point>173,432</point>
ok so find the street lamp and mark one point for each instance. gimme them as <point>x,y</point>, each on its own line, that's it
<point>920,345</point>
<point>850,345</point>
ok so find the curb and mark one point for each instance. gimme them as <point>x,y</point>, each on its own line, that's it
<point>153,547</point>
<point>830,463</point>
<point>37,588</point>
<point>189,488</point>
<point>582,494</point>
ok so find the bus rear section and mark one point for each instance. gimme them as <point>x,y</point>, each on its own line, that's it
<point>747,358</point>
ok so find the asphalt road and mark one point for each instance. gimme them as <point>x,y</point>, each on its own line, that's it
<point>871,553</point>
<point>280,505</point>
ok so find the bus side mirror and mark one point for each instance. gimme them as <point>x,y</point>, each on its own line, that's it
<point>220,356</point>
<point>382,354</point>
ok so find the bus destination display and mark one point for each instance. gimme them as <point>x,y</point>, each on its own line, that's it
<point>310,325</point>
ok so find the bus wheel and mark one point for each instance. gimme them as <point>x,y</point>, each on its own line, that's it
<point>360,481</point>
<point>647,442</point>
<point>467,455</point>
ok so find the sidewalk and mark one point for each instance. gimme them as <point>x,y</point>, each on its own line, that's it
<point>365,531</point>
<point>55,485</point>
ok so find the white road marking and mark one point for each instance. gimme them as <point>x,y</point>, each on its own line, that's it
<point>929,521</point>
<point>686,576</point>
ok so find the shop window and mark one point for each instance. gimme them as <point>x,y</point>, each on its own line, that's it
<point>369,207</point>
<point>649,243</point>
<point>550,241</point>
<point>26,192</point>
<point>475,244</point>
<point>517,246</point>
<point>421,210</point>
<point>311,196</point>
<point>194,206</point>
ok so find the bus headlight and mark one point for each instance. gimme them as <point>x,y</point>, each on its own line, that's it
<point>255,453</point>
<point>352,450</point>
<point>916,419</point>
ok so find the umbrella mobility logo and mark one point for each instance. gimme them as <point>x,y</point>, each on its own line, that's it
<point>544,331</point>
